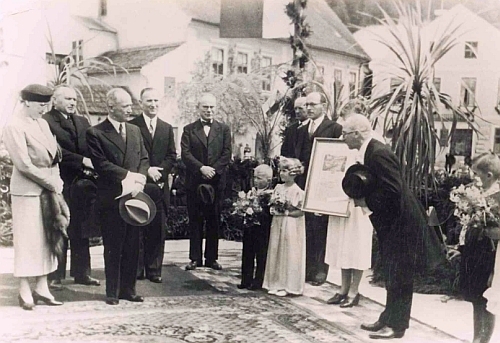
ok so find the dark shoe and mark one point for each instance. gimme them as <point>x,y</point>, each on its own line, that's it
<point>214,265</point>
<point>24,305</point>
<point>373,327</point>
<point>133,298</point>
<point>337,299</point>
<point>243,286</point>
<point>141,277</point>
<point>112,301</point>
<point>55,285</point>
<point>319,279</point>
<point>192,265</point>
<point>88,281</point>
<point>156,279</point>
<point>51,302</point>
<point>387,333</point>
<point>351,302</point>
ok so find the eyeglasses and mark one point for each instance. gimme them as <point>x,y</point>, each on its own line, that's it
<point>312,104</point>
<point>345,133</point>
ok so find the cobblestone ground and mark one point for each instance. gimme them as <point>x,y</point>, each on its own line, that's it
<point>199,306</point>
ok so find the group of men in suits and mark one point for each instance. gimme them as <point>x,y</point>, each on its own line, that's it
<point>98,163</point>
<point>298,142</point>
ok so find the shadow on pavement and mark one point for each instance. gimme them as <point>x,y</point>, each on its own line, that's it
<point>176,282</point>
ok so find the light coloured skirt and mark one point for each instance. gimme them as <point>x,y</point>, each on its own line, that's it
<point>286,255</point>
<point>32,255</point>
<point>349,242</point>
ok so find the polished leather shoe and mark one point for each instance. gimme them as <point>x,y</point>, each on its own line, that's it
<point>319,279</point>
<point>51,302</point>
<point>55,285</point>
<point>373,327</point>
<point>88,281</point>
<point>133,298</point>
<point>156,279</point>
<point>24,305</point>
<point>337,299</point>
<point>243,286</point>
<point>214,265</point>
<point>112,301</point>
<point>351,302</point>
<point>255,287</point>
<point>192,265</point>
<point>387,333</point>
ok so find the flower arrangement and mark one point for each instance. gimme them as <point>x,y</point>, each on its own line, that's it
<point>279,204</point>
<point>475,209</point>
<point>249,205</point>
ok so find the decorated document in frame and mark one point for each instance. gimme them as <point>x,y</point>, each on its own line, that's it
<point>330,159</point>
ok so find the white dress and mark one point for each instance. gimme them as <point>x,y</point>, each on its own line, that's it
<point>349,243</point>
<point>493,296</point>
<point>286,255</point>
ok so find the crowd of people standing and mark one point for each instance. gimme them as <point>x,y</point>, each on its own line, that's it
<point>114,178</point>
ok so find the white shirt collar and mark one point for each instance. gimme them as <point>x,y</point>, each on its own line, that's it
<point>116,124</point>
<point>318,121</point>
<point>148,120</point>
<point>362,150</point>
<point>304,123</point>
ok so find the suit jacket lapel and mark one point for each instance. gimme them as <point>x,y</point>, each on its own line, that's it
<point>36,131</point>
<point>368,152</point>
<point>80,133</point>
<point>321,127</point>
<point>145,132</point>
<point>113,136</point>
<point>214,132</point>
<point>200,133</point>
<point>159,132</point>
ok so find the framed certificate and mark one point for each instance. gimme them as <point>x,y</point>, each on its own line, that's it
<point>329,161</point>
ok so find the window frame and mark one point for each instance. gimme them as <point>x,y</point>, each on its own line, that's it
<point>219,63</point>
<point>465,90</point>
<point>471,49</point>
<point>266,82</point>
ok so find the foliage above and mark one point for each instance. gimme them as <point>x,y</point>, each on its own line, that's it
<point>412,108</point>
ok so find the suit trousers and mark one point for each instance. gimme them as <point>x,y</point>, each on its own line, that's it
<point>316,233</point>
<point>80,260</point>
<point>201,215</point>
<point>121,253</point>
<point>254,256</point>
<point>152,237</point>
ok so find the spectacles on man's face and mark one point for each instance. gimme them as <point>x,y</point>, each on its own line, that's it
<point>312,104</point>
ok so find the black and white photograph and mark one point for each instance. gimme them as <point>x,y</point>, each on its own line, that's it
<point>249,171</point>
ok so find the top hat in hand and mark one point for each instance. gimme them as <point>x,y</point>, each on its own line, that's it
<point>358,181</point>
<point>206,193</point>
<point>137,211</point>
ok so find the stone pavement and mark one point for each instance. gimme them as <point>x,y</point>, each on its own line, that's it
<point>202,306</point>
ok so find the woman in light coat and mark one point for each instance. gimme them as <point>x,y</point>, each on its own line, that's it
<point>34,153</point>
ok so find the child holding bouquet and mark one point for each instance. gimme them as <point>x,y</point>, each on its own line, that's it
<point>286,256</point>
<point>256,234</point>
<point>476,247</point>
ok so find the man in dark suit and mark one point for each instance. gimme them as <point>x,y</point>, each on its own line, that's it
<point>398,219</point>
<point>290,134</point>
<point>121,160</point>
<point>206,152</point>
<point>316,225</point>
<point>158,138</point>
<point>79,190</point>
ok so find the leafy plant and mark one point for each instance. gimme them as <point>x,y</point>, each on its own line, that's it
<point>5,205</point>
<point>412,109</point>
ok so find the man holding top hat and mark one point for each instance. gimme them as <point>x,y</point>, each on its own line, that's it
<point>121,160</point>
<point>398,218</point>
<point>206,151</point>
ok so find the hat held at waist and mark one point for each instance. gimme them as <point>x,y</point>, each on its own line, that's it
<point>137,211</point>
<point>358,181</point>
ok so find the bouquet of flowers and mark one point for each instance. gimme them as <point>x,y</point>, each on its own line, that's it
<point>475,209</point>
<point>249,205</point>
<point>280,204</point>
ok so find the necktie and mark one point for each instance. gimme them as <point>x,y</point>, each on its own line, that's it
<point>151,128</point>
<point>122,132</point>
<point>311,128</point>
<point>206,123</point>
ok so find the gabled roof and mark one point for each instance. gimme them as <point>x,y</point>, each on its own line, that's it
<point>329,33</point>
<point>96,101</point>
<point>94,24</point>
<point>134,59</point>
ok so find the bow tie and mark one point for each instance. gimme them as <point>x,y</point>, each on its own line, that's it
<point>206,123</point>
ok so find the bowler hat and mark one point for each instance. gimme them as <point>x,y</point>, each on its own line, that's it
<point>137,211</point>
<point>358,181</point>
<point>206,193</point>
<point>37,93</point>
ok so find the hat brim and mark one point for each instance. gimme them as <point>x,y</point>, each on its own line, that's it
<point>206,193</point>
<point>142,197</point>
<point>358,181</point>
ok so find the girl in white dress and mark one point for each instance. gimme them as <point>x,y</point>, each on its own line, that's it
<point>286,256</point>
